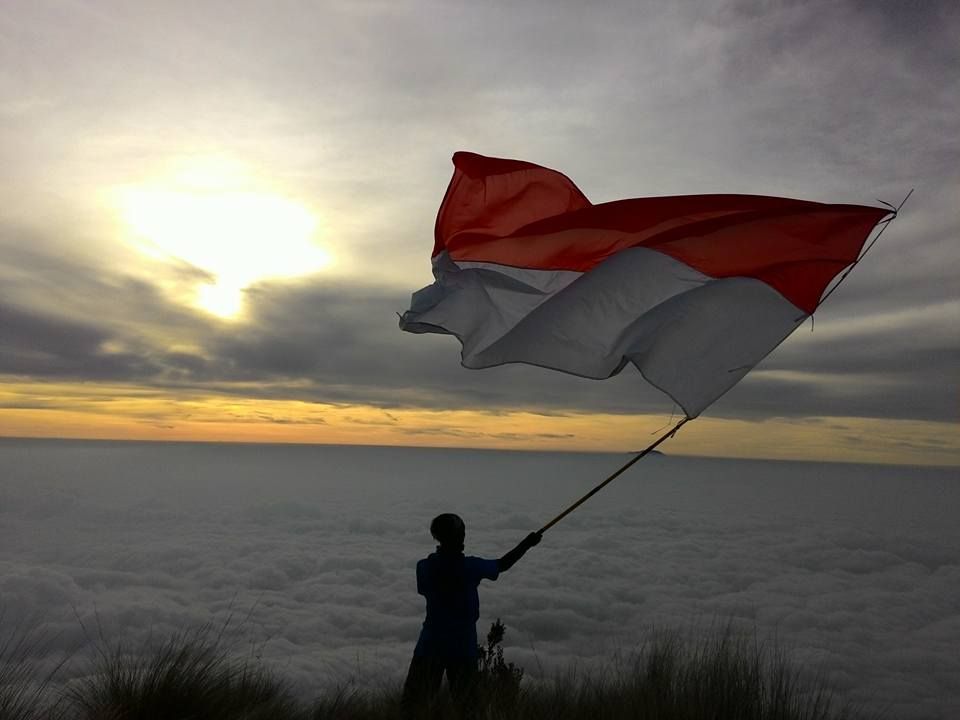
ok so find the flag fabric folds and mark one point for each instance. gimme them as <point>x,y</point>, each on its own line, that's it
<point>692,290</point>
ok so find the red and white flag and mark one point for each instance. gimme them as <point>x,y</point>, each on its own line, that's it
<point>693,290</point>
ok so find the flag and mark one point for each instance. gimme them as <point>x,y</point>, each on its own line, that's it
<point>693,290</point>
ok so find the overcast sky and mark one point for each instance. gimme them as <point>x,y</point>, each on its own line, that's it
<point>210,212</point>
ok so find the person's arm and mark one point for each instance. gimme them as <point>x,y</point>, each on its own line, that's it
<point>510,559</point>
<point>422,581</point>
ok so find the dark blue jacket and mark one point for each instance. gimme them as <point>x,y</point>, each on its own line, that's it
<point>449,580</point>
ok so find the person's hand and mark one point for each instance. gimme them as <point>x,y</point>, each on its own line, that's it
<point>532,539</point>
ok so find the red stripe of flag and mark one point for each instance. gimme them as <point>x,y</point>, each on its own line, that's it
<point>519,214</point>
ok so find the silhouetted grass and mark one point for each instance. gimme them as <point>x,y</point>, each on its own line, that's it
<point>189,676</point>
<point>726,676</point>
<point>24,686</point>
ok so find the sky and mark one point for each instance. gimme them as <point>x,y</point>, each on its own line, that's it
<point>850,570</point>
<point>210,213</point>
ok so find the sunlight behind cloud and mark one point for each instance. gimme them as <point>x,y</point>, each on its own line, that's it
<point>239,236</point>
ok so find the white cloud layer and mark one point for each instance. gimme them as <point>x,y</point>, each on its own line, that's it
<point>853,568</point>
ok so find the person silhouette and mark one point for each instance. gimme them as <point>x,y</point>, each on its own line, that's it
<point>448,580</point>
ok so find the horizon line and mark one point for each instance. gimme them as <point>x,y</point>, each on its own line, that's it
<point>53,438</point>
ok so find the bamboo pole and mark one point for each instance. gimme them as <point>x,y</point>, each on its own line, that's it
<point>669,434</point>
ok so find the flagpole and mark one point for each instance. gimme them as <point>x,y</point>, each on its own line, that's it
<point>669,434</point>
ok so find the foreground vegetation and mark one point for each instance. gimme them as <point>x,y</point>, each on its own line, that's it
<point>190,676</point>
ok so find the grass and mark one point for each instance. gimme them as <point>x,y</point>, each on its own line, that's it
<point>24,686</point>
<point>190,676</point>
<point>727,676</point>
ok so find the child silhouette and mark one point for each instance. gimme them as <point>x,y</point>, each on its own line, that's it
<point>448,580</point>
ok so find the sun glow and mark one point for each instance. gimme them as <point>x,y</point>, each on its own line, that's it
<point>238,236</point>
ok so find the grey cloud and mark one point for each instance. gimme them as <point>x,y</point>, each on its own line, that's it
<point>920,385</point>
<point>839,85</point>
<point>38,277</point>
<point>39,346</point>
<point>339,337</point>
<point>337,343</point>
<point>45,334</point>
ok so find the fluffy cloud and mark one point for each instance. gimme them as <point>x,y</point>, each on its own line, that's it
<point>852,568</point>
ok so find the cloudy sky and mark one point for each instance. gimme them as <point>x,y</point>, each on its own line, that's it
<point>211,212</point>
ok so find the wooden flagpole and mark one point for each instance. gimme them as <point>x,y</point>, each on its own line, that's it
<point>669,434</point>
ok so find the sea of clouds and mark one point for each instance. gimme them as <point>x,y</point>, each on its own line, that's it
<point>853,569</point>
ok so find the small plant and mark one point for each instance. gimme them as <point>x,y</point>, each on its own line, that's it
<point>498,679</point>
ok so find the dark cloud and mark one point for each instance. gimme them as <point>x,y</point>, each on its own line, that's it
<point>34,345</point>
<point>35,274</point>
<point>323,342</point>
<point>346,342</point>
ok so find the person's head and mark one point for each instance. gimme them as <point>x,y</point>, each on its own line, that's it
<point>449,531</point>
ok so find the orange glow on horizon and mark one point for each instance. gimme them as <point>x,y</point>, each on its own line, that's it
<point>76,411</point>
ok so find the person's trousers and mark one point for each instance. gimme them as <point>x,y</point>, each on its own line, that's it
<point>423,683</point>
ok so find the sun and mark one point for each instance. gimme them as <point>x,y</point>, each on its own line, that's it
<point>238,235</point>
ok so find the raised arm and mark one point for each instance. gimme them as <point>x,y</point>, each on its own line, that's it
<point>510,559</point>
